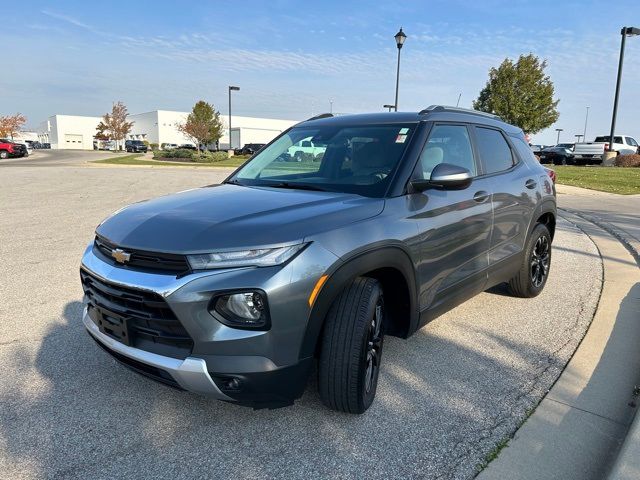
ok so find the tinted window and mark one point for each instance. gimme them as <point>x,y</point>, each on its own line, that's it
<point>494,150</point>
<point>447,144</point>
<point>356,159</point>
<point>605,139</point>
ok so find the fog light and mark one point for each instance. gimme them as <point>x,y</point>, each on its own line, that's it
<point>242,310</point>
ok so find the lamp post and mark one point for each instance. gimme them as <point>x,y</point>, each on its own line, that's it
<point>231,87</point>
<point>559,130</point>
<point>331,106</point>
<point>578,137</point>
<point>400,38</point>
<point>625,32</point>
<point>389,106</point>
<point>586,118</point>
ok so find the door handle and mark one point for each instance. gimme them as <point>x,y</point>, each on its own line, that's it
<point>531,184</point>
<point>481,196</point>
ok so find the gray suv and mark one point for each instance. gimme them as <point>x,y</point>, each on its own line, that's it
<point>239,291</point>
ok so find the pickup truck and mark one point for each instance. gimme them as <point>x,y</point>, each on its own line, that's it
<point>9,148</point>
<point>592,152</point>
<point>305,147</point>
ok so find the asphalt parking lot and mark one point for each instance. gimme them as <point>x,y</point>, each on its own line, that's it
<point>67,410</point>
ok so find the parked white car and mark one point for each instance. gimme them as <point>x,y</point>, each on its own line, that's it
<point>592,152</point>
<point>305,146</point>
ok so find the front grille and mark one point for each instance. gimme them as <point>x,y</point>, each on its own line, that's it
<point>144,260</point>
<point>135,317</point>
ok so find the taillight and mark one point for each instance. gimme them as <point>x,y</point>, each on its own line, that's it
<point>606,147</point>
<point>552,174</point>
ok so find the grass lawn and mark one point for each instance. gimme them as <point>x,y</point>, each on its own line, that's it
<point>625,181</point>
<point>137,160</point>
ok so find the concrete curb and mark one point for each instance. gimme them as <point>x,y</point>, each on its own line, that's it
<point>630,242</point>
<point>578,428</point>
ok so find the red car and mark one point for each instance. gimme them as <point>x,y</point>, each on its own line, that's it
<point>10,149</point>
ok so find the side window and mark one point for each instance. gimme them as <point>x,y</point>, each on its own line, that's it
<point>495,152</point>
<point>632,142</point>
<point>447,144</point>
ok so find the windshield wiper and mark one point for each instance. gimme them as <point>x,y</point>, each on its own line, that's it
<point>234,182</point>
<point>293,186</point>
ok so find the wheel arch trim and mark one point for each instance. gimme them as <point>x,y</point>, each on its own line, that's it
<point>388,256</point>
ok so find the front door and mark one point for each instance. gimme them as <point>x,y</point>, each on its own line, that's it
<point>454,225</point>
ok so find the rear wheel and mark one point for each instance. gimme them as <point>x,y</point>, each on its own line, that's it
<point>4,154</point>
<point>351,347</point>
<point>532,276</point>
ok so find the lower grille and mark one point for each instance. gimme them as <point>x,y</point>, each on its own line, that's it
<point>135,317</point>
<point>142,368</point>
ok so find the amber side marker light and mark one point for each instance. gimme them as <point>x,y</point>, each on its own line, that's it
<point>317,288</point>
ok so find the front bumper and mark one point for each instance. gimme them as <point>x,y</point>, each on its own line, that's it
<point>190,374</point>
<point>254,368</point>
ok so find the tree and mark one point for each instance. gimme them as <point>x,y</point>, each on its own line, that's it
<point>521,94</point>
<point>114,124</point>
<point>11,124</point>
<point>203,124</point>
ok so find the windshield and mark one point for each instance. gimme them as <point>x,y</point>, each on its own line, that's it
<point>354,159</point>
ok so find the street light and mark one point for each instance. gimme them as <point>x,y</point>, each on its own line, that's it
<point>625,32</point>
<point>559,130</point>
<point>389,106</point>
<point>578,137</point>
<point>400,38</point>
<point>231,87</point>
<point>586,118</point>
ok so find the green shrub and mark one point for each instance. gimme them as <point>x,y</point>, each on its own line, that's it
<point>627,161</point>
<point>209,157</point>
<point>153,146</point>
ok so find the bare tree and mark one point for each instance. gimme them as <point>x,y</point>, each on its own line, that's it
<point>11,124</point>
<point>203,124</point>
<point>115,124</point>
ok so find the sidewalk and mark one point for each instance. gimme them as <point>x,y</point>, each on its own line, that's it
<point>577,430</point>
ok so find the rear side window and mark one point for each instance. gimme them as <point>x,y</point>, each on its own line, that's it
<point>495,152</point>
<point>447,144</point>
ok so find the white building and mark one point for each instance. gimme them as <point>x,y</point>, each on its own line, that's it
<point>69,131</point>
<point>158,126</point>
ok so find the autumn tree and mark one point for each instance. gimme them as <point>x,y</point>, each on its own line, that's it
<point>114,124</point>
<point>203,124</point>
<point>521,94</point>
<point>11,124</point>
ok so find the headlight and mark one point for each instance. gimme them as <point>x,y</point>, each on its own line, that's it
<point>262,257</point>
<point>247,309</point>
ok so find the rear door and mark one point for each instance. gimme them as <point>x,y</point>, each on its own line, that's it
<point>454,225</point>
<point>515,193</point>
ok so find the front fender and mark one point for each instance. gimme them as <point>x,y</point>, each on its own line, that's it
<point>344,272</point>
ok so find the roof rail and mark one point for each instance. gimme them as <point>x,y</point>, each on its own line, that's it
<point>322,115</point>
<point>444,108</point>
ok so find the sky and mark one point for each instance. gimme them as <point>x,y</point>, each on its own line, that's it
<point>292,60</point>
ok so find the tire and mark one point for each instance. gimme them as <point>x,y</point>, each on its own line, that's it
<point>534,271</point>
<point>4,154</point>
<point>351,347</point>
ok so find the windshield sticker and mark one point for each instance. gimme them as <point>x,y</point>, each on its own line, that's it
<point>401,138</point>
<point>403,131</point>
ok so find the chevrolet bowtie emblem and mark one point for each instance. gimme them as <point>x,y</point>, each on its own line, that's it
<point>120,255</point>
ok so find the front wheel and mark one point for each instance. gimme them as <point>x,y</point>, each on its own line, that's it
<point>534,271</point>
<point>4,154</point>
<point>351,347</point>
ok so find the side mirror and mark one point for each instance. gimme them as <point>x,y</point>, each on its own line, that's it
<point>445,176</point>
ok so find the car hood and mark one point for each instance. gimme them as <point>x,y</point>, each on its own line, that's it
<point>233,217</point>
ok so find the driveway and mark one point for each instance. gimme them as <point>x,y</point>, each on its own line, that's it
<point>67,410</point>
